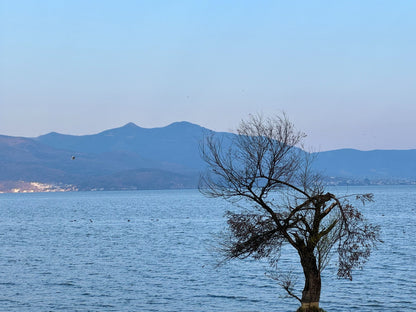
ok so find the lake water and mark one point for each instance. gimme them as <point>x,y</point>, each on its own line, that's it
<point>154,251</point>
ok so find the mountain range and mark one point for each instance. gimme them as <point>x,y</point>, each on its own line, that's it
<point>131,157</point>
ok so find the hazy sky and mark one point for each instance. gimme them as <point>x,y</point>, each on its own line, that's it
<point>343,71</point>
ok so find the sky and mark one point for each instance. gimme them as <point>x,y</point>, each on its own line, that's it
<point>342,71</point>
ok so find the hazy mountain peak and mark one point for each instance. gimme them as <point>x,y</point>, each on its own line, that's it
<point>128,129</point>
<point>181,124</point>
<point>130,125</point>
<point>53,135</point>
<point>186,126</point>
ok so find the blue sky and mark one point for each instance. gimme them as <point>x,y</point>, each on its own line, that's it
<point>343,71</point>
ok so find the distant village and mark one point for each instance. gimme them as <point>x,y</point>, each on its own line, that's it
<point>339,181</point>
<point>38,187</point>
<point>33,187</point>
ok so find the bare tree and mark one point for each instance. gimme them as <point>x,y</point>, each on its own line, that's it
<point>263,165</point>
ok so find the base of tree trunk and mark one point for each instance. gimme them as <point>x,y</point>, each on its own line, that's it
<point>309,307</point>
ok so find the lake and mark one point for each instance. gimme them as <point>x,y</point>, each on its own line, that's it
<point>155,251</point>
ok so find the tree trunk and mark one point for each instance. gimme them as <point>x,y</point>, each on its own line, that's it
<point>312,291</point>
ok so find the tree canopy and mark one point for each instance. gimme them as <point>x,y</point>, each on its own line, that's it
<point>264,164</point>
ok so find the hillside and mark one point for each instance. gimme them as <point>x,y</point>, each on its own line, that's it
<point>174,147</point>
<point>131,157</point>
<point>384,165</point>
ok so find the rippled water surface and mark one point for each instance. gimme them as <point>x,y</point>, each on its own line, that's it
<point>154,251</point>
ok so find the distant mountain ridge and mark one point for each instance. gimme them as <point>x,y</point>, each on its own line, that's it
<point>376,164</point>
<point>159,144</point>
<point>132,157</point>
